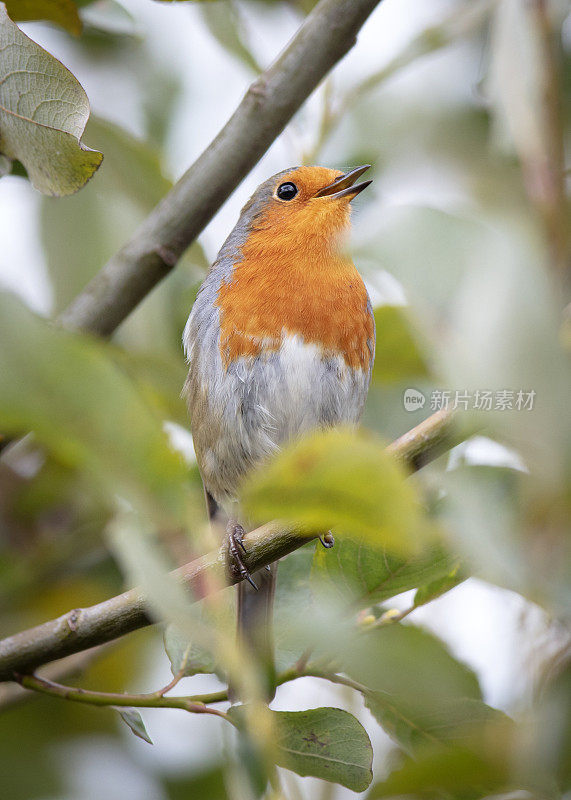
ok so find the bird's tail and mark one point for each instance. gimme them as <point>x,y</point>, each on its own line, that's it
<point>254,616</point>
<point>255,629</point>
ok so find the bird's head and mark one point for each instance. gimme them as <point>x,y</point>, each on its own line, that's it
<point>305,203</point>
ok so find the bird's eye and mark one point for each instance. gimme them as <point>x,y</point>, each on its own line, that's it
<point>286,191</point>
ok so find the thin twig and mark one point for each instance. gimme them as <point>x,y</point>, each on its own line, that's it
<point>152,700</point>
<point>171,684</point>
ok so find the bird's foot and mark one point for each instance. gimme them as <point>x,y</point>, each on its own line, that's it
<point>235,533</point>
<point>327,540</point>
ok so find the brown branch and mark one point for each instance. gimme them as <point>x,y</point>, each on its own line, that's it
<point>83,628</point>
<point>327,34</point>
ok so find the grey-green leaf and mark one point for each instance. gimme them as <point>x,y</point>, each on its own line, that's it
<point>186,657</point>
<point>225,24</point>
<point>404,660</point>
<point>415,727</point>
<point>399,356</point>
<point>439,586</point>
<point>327,743</point>
<point>336,479</point>
<point>359,572</point>
<point>66,389</point>
<point>133,719</point>
<point>43,112</point>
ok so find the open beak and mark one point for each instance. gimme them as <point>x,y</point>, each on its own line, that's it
<point>345,185</point>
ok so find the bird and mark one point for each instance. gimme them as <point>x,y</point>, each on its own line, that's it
<point>280,342</point>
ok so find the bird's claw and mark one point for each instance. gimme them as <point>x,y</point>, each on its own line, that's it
<point>327,540</point>
<point>235,535</point>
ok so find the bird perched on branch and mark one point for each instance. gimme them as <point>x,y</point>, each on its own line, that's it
<point>280,342</point>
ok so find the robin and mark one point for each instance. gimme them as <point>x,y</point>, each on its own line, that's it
<point>279,342</point>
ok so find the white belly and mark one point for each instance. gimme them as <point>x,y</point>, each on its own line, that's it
<point>260,403</point>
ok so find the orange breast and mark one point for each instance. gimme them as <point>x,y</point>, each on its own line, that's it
<point>294,285</point>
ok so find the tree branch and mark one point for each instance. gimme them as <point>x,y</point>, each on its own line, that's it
<point>327,34</point>
<point>83,628</point>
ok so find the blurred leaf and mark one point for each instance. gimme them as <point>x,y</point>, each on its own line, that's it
<point>159,379</point>
<point>65,389</point>
<point>363,574</point>
<point>293,597</point>
<point>412,684</point>
<point>133,719</point>
<point>186,657</point>
<point>509,514</point>
<point>81,233</point>
<point>109,18</point>
<point>327,743</point>
<point>439,586</point>
<point>51,527</point>
<point>516,84</point>
<point>406,661</point>
<point>448,721</point>
<point>254,751</point>
<point>208,784</point>
<point>398,356</point>
<point>42,126</point>
<point>224,23</point>
<point>451,772</point>
<point>430,251</point>
<point>550,745</point>
<point>336,479</point>
<point>484,757</point>
<point>162,94</point>
<point>61,12</point>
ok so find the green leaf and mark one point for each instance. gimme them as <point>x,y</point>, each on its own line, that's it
<point>403,660</point>
<point>326,743</point>
<point>133,719</point>
<point>159,379</point>
<point>336,479</point>
<point>207,784</point>
<point>293,597</point>
<point>186,657</point>
<point>360,573</point>
<point>65,388</point>
<point>452,772</point>
<point>61,12</point>
<point>224,23</point>
<point>43,112</point>
<point>412,684</point>
<point>398,357</point>
<point>110,18</point>
<point>439,586</point>
<point>415,727</point>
